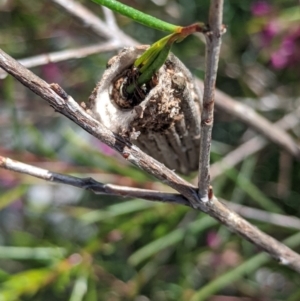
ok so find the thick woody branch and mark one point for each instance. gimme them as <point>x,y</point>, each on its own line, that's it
<point>213,46</point>
<point>65,105</point>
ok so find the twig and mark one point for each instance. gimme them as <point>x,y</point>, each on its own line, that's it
<point>68,107</point>
<point>213,46</point>
<point>146,194</point>
<point>264,216</point>
<point>91,184</point>
<point>252,146</point>
<point>263,126</point>
<point>110,19</point>
<point>91,21</point>
<point>259,123</point>
<point>64,55</point>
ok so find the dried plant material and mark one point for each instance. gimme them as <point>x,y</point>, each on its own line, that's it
<point>161,117</point>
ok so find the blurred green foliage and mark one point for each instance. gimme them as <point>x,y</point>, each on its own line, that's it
<point>62,243</point>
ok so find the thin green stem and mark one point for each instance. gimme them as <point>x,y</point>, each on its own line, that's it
<point>138,16</point>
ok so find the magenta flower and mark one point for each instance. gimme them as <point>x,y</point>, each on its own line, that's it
<point>213,239</point>
<point>51,73</point>
<point>105,149</point>
<point>288,54</point>
<point>268,33</point>
<point>260,8</point>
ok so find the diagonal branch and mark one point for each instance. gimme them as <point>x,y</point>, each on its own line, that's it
<point>109,18</point>
<point>65,105</point>
<point>258,123</point>
<point>255,144</point>
<point>213,46</point>
<point>90,20</point>
<point>58,56</point>
<point>269,218</point>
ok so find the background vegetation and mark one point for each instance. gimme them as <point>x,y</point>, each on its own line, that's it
<point>62,243</point>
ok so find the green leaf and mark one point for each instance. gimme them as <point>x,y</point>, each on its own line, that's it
<point>152,59</point>
<point>150,54</point>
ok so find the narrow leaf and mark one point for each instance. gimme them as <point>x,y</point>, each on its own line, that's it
<point>150,54</point>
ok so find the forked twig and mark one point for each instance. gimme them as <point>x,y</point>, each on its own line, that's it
<point>68,107</point>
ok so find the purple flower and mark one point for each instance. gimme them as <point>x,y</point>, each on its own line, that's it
<point>270,30</point>
<point>105,149</point>
<point>260,8</point>
<point>281,57</point>
<point>213,239</point>
<point>288,54</point>
<point>51,73</point>
<point>278,60</point>
<point>8,182</point>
